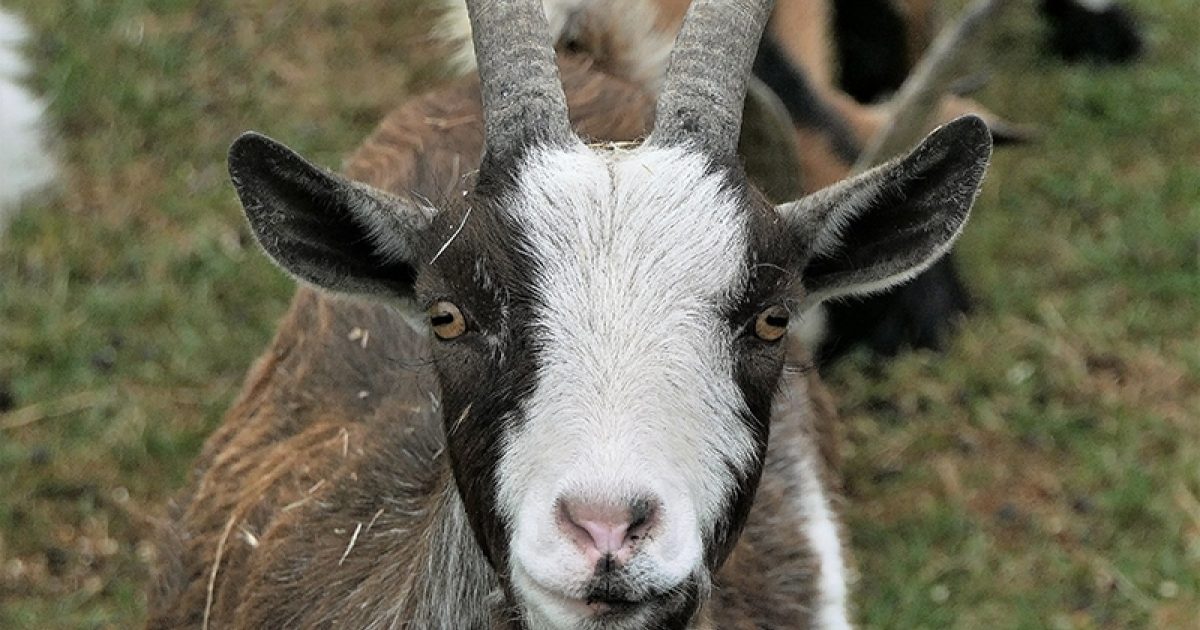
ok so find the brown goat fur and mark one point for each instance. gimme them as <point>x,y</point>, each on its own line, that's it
<point>803,28</point>
<point>325,499</point>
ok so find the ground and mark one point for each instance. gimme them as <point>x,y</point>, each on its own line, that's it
<point>1044,472</point>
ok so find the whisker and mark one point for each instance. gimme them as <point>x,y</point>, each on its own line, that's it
<point>457,231</point>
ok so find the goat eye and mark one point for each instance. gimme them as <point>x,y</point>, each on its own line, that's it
<point>446,320</point>
<point>771,324</point>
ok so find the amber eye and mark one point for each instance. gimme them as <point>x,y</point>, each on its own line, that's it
<point>446,320</point>
<point>771,324</point>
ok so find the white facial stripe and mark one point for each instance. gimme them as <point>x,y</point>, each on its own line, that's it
<point>638,251</point>
<point>635,389</point>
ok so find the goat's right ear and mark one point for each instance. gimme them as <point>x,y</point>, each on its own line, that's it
<point>322,228</point>
<point>881,228</point>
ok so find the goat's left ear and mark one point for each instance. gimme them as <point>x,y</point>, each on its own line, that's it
<point>884,226</point>
<point>339,235</point>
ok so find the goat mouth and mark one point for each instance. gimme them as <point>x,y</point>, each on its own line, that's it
<point>607,600</point>
<point>613,606</point>
<point>597,603</point>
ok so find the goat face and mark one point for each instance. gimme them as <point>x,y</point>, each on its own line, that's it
<point>623,348</point>
<point>607,321</point>
<point>607,327</point>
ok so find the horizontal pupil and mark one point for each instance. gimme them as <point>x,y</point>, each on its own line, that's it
<point>441,320</point>
<point>777,321</point>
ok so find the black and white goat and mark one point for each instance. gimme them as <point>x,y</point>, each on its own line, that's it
<point>607,436</point>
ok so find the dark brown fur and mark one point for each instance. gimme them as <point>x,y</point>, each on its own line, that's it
<point>317,502</point>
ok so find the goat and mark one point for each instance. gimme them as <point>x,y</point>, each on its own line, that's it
<point>1092,30</point>
<point>594,426</point>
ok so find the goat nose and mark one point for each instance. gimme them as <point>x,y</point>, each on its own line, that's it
<point>607,531</point>
<point>607,537</point>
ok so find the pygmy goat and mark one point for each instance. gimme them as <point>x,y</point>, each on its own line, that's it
<point>593,426</point>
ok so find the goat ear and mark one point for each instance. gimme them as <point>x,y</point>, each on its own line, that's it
<point>322,228</point>
<point>882,227</point>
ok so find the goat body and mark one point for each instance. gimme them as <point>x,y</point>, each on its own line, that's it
<point>312,507</point>
<point>585,444</point>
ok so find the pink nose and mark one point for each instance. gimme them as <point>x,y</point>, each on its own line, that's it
<point>606,531</point>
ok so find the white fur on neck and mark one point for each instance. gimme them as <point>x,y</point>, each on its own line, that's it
<point>821,529</point>
<point>819,524</point>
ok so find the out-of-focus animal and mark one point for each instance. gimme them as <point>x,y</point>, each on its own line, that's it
<point>877,42</point>
<point>25,162</point>
<point>798,61</point>
<point>1093,30</point>
<point>832,62</point>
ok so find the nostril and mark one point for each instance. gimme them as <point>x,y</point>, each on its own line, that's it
<point>606,529</point>
<point>643,515</point>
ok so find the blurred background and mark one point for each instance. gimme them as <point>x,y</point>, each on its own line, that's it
<point>1042,472</point>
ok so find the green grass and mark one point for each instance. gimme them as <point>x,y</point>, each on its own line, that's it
<point>1045,472</point>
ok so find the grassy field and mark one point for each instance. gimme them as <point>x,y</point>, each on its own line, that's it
<point>1045,472</point>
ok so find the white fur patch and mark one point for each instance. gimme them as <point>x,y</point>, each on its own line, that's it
<point>819,524</point>
<point>1096,6</point>
<point>821,529</point>
<point>25,164</point>
<point>635,391</point>
<point>812,327</point>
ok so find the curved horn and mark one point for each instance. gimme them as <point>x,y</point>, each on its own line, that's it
<point>523,100</point>
<point>705,87</point>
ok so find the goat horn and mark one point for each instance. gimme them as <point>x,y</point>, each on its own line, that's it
<point>523,100</point>
<point>705,87</point>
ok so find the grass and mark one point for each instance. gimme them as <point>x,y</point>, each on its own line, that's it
<point>1044,472</point>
